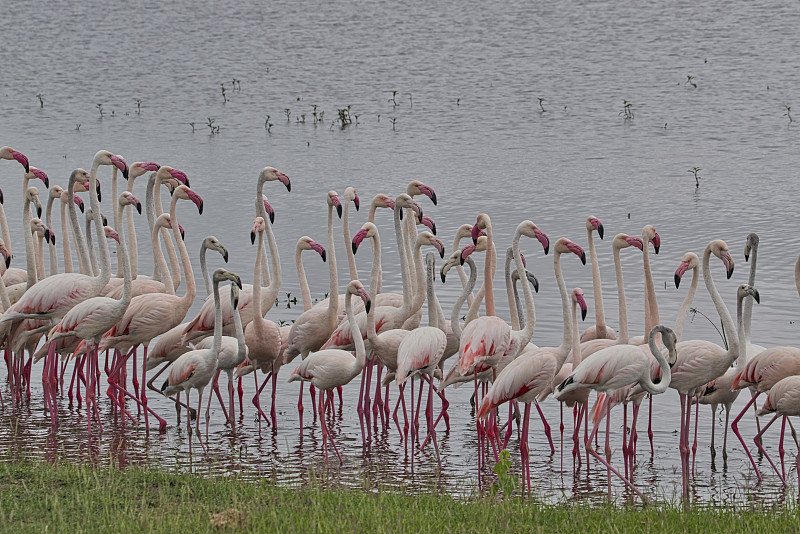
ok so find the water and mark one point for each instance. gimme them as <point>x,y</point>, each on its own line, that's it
<point>474,73</point>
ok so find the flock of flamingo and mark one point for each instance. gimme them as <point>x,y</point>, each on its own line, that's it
<point>67,319</point>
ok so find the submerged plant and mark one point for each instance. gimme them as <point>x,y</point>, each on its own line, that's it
<point>267,124</point>
<point>627,110</point>
<point>192,125</point>
<point>394,120</point>
<point>541,106</point>
<point>288,113</point>
<point>224,97</point>
<point>393,100</point>
<point>40,96</point>
<point>100,109</point>
<point>138,105</point>
<point>788,113</point>
<point>690,81</point>
<point>695,171</point>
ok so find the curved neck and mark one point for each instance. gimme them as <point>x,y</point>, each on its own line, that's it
<point>275,285</point>
<point>748,304</point>
<point>623,305</point>
<point>374,282</point>
<point>237,327</point>
<point>80,241</point>
<point>105,267</point>
<point>39,258</point>
<point>562,288</point>
<point>217,319</point>
<point>524,335</point>
<point>797,275</point>
<point>597,286</point>
<point>430,267</point>
<point>517,302</point>
<point>351,258</point>
<point>5,300</point>
<point>191,290</point>
<point>722,310</point>
<point>686,305</point>
<point>301,276</point>
<point>5,231</point>
<point>460,269</point>
<point>159,260</point>
<point>204,268</point>
<point>404,269</point>
<point>576,338</point>
<point>651,318</point>
<point>90,244</point>
<point>410,232</point>
<point>467,290</point>
<point>371,218</point>
<point>52,246</point>
<point>150,208</point>
<point>475,307</point>
<point>261,211</point>
<point>361,352</point>
<point>488,274</point>
<point>333,301</point>
<point>666,372</point>
<point>741,359</point>
<point>122,255</point>
<point>115,197</point>
<point>65,237</point>
<point>258,315</point>
<point>133,250</point>
<point>513,310</point>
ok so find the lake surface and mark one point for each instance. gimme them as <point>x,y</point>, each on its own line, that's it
<point>709,85</point>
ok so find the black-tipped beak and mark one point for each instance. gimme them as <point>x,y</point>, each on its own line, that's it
<point>225,256</point>
<point>239,282</point>
<point>252,237</point>
<point>80,206</point>
<point>139,207</point>
<point>533,281</point>
<point>657,248</point>
<point>355,247</point>
<point>105,221</point>
<point>235,303</point>
<point>547,250</point>
<point>1,196</point>
<point>433,198</point>
<point>53,237</point>
<point>401,215</point>
<point>756,297</point>
<point>125,172</point>
<point>730,272</point>
<point>324,256</point>
<point>164,386</point>
<point>8,261</point>
<point>339,210</point>
<point>441,273</point>
<point>433,231</point>
<point>583,257</point>
<point>272,217</point>
<point>441,253</point>
<point>677,281</point>
<point>288,186</point>
<point>583,314</point>
<point>46,181</point>
<point>368,305</point>
<point>600,231</point>
<point>38,211</point>
<point>746,254</point>
<point>200,207</point>
<point>183,235</point>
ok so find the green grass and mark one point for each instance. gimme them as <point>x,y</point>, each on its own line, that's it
<point>37,497</point>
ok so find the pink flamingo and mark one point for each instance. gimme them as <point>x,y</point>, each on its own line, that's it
<point>195,369</point>
<point>599,330</point>
<point>784,400</point>
<point>331,368</point>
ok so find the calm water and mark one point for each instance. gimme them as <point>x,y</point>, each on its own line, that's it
<point>469,77</point>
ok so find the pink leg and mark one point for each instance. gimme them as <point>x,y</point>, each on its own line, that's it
<point>696,420</point>
<point>273,411</point>
<point>735,428</point>
<point>300,409</point>
<point>240,389</point>
<point>231,402</point>
<point>215,390</point>
<point>322,418</point>
<point>758,442</point>
<point>546,428</point>
<point>377,406</point>
<point>781,450</point>
<point>625,438</point>
<point>360,406</point>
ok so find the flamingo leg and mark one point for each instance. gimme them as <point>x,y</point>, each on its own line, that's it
<point>760,446</point>
<point>725,437</point>
<point>696,420</point>
<point>218,393</point>
<point>360,406</point>
<point>524,450</point>
<point>197,422</point>
<point>713,427</point>
<point>735,428</point>
<point>431,426</point>
<point>240,390</point>
<point>273,411</point>
<point>546,427</point>
<point>413,423</point>
<point>377,406</point>
<point>781,450</point>
<point>300,410</point>
<point>230,400</point>
<point>333,443</point>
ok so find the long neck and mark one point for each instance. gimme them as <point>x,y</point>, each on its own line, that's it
<point>5,231</point>
<point>651,318</point>
<point>797,275</point>
<point>517,302</point>
<point>122,255</point>
<point>258,315</point>
<point>191,289</point>
<point>80,241</point>
<point>524,335</point>
<point>686,305</point>
<point>562,288</point>
<point>576,338</point>
<point>5,300</point>
<point>419,274</point>
<point>374,282</point>
<point>30,253</point>
<point>512,303</point>
<point>105,267</point>
<point>39,258</point>
<point>748,305</point>
<point>275,285</point>
<point>460,269</point>
<point>159,260</point>
<point>65,237</point>
<point>467,290</point>
<point>351,258</point>
<point>599,312</point>
<point>261,211</point>
<point>404,269</point>
<point>49,221</point>
<point>117,209</point>
<point>410,232</point>
<point>171,254</point>
<point>475,307</point>
<point>488,273</point>
<point>133,251</point>
<point>361,352</point>
<point>301,276</point>
<point>150,208</point>
<point>666,372</point>
<point>90,240</point>
<point>371,218</point>
<point>204,268</point>
<point>217,319</point>
<point>333,301</point>
<point>622,339</point>
<point>722,310</point>
<point>741,359</point>
<point>238,328</point>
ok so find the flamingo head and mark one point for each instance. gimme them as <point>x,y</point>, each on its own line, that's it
<point>306,243</point>
<point>750,244</point>
<point>418,188</point>
<point>564,245</point>
<point>578,298</point>
<point>532,280</point>
<point>689,261</point>
<point>127,199</point>
<point>624,241</point>
<point>36,173</point>
<point>6,253</point>
<point>111,233</point>
<point>452,261</point>
<point>382,201</point>
<point>221,275</point>
<point>482,223</point>
<point>213,243</point>
<point>367,230</point>
<point>184,193</point>
<point>163,221</point>
<point>355,287</point>
<point>720,249</point>
<point>745,290</point>
<point>78,201</point>
<point>593,223</point>
<point>258,226</point>
<point>165,174</point>
<point>529,229</point>
<point>56,191</point>
<point>140,167</point>
<point>118,162</point>
<point>350,195</point>
<point>268,209</point>
<point>427,238</point>
<point>427,221</point>
<point>649,234</point>
<point>271,174</point>
<point>404,201</point>
<point>33,197</point>
<point>469,249</point>
<point>9,153</point>
<point>670,340</point>
<point>333,201</point>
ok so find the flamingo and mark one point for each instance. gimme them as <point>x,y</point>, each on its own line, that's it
<point>331,368</point>
<point>195,369</point>
<point>614,367</point>
<point>599,330</point>
<point>783,400</point>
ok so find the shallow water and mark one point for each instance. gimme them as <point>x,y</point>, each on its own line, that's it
<point>468,123</point>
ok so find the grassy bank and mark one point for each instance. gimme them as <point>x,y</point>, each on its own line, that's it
<point>63,498</point>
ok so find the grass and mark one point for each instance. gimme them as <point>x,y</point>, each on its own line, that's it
<point>38,497</point>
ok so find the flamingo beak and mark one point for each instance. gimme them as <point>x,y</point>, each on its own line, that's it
<point>43,177</point>
<point>238,281</point>
<point>357,239</point>
<point>356,202</point>
<point>79,202</point>
<point>8,260</point>
<point>466,251</point>
<point>105,221</point>
<point>224,253</point>
<point>139,207</point>
<point>284,180</point>
<point>183,234</point>
<point>390,203</point>
<point>476,233</point>
<point>38,211</point>
<point>365,297</point>
<point>754,292</point>
<point>52,237</point>
<point>679,272</point>
<point>532,280</point>
<point>427,221</point>
<point>582,304</point>
<point>544,240</point>
<point>319,249</point>
<point>656,242</point>
<point>428,192</point>
<point>600,230</point>
<point>270,212</point>
<point>22,159</point>
<point>728,261</point>
<point>180,176</point>
<point>252,236</point>
<point>578,251</point>
<point>164,386</point>
<point>338,205</point>
<point>524,264</point>
<point>1,196</point>
<point>635,242</point>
